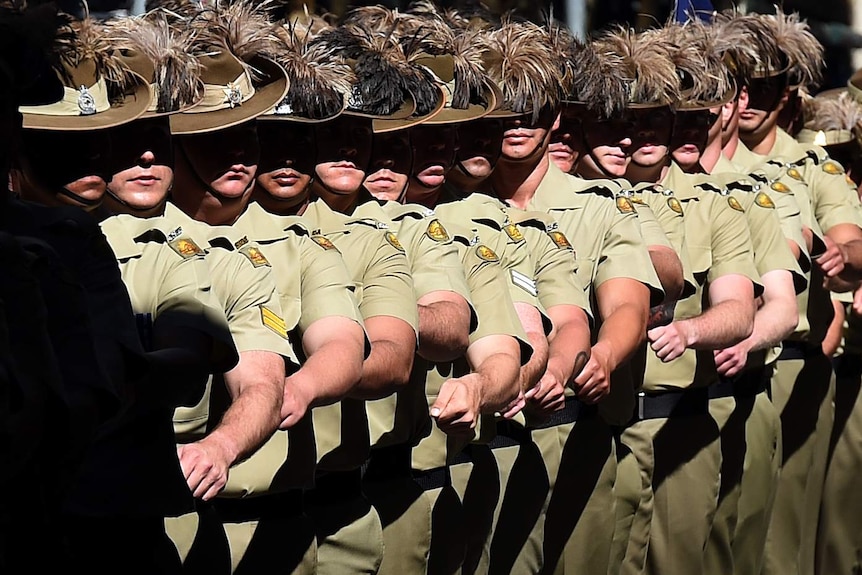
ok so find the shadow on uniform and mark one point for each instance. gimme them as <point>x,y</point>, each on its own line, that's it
<point>800,414</point>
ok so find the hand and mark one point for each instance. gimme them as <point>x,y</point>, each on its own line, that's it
<point>831,262</point>
<point>857,301</point>
<point>548,395</point>
<point>205,466</point>
<point>294,405</point>
<point>593,383</point>
<point>730,361</point>
<point>661,314</point>
<point>668,341</point>
<point>515,406</point>
<point>457,407</point>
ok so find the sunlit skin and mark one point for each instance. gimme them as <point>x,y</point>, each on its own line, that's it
<point>343,154</point>
<point>757,122</point>
<point>693,130</point>
<point>143,159</point>
<point>215,172</point>
<point>609,153</point>
<point>391,162</point>
<point>479,148</point>
<point>434,148</point>
<point>567,142</point>
<point>286,164</point>
<point>652,128</point>
<point>523,139</point>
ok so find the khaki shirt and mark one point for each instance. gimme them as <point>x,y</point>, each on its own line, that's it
<point>719,244</point>
<point>490,293</point>
<point>243,282</point>
<point>608,244</point>
<point>380,272</point>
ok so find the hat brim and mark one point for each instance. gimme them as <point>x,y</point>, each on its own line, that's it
<point>472,112</point>
<point>834,138</point>
<point>298,119</point>
<point>383,125</point>
<point>133,106</point>
<point>265,98</point>
<point>728,96</point>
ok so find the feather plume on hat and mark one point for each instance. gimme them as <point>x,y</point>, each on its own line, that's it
<point>647,65</point>
<point>841,113</point>
<point>742,46</point>
<point>602,82</point>
<point>455,19</point>
<point>320,79</point>
<point>176,69</point>
<point>803,51</point>
<point>565,48</point>
<point>244,28</point>
<point>93,42</point>
<point>699,52</point>
<point>524,66</point>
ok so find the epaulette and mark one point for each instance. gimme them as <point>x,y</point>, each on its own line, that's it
<point>708,187</point>
<point>739,185</point>
<point>370,222</point>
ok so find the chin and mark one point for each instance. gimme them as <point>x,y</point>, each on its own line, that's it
<point>232,190</point>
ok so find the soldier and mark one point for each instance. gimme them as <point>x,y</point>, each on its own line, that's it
<point>795,57</point>
<point>831,121</point>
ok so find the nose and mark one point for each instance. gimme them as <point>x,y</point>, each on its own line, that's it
<point>625,142</point>
<point>347,151</point>
<point>147,159</point>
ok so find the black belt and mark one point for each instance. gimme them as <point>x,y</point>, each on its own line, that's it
<point>798,350</point>
<point>747,384</point>
<point>336,486</point>
<point>847,364</point>
<point>438,477</point>
<point>681,403</point>
<point>574,410</point>
<point>384,462</point>
<point>509,434</point>
<point>244,509</point>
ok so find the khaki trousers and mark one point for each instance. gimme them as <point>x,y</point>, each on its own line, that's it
<point>839,538</point>
<point>800,389</point>
<point>633,500</point>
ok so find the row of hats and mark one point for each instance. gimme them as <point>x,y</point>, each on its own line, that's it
<point>213,67</point>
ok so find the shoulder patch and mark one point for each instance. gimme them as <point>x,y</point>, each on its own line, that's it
<point>393,240</point>
<point>240,243</point>
<point>273,321</point>
<point>781,187</point>
<point>437,232</point>
<point>255,256</point>
<point>734,203</point>
<point>560,239</point>
<point>674,204</point>
<point>186,247</point>
<point>763,200</point>
<point>624,205</point>
<point>525,283</point>
<point>832,168</point>
<point>795,174</point>
<point>486,253</point>
<point>323,242</point>
<point>513,232</point>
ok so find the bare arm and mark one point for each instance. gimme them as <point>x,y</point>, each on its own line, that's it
<point>444,326</point>
<point>256,387</point>
<point>624,308</point>
<point>335,348</point>
<point>492,385</point>
<point>843,257</point>
<point>569,350</point>
<point>728,320</point>
<point>531,320</point>
<point>773,321</point>
<point>387,368</point>
<point>668,267</point>
<point>833,336</point>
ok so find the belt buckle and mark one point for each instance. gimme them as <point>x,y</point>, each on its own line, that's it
<point>641,396</point>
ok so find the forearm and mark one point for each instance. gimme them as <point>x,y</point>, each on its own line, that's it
<point>722,325</point>
<point>569,349</point>
<point>444,330</point>
<point>499,376</point>
<point>853,262</point>
<point>251,418</point>
<point>621,333</point>
<point>773,322</point>
<point>329,374</point>
<point>669,270</point>
<point>532,371</point>
<point>384,372</point>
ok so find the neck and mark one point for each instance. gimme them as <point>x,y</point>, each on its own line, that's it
<point>341,203</point>
<point>763,145</point>
<point>516,182</point>
<point>287,207</point>
<point>421,195</point>
<point>637,174</point>
<point>463,182</point>
<point>711,154</point>
<point>112,205</point>
<point>192,195</point>
<point>729,149</point>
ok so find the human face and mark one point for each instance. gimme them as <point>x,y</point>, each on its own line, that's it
<point>142,163</point>
<point>391,162</point>
<point>567,141</point>
<point>434,149</point>
<point>691,133</point>
<point>72,165</point>
<point>609,144</point>
<point>287,152</point>
<point>225,160</point>
<point>524,139</point>
<point>766,97</point>
<point>343,153</point>
<point>651,132</point>
<point>479,146</point>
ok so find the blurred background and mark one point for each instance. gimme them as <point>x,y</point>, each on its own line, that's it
<point>836,23</point>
